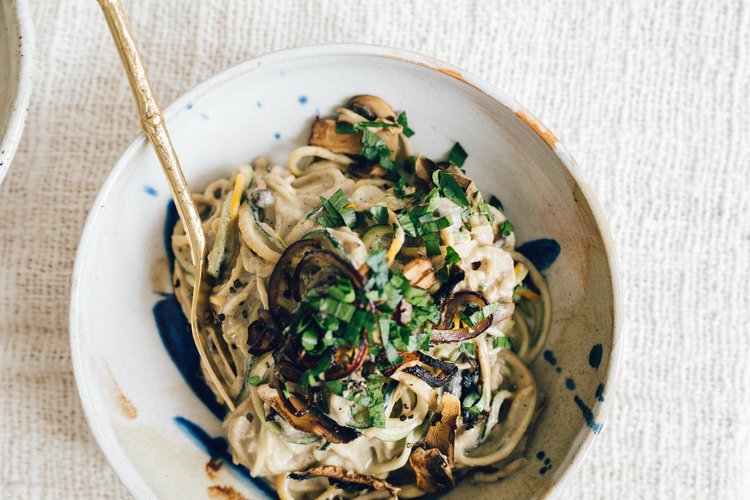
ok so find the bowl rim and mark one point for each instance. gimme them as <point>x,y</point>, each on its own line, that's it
<point>24,84</point>
<point>121,464</point>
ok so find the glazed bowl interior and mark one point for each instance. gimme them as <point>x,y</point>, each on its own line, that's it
<point>130,388</point>
<point>16,46</point>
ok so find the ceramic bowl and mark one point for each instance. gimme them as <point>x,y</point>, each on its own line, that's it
<point>16,56</point>
<point>155,431</point>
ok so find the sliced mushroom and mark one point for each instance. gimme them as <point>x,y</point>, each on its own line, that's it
<point>324,134</point>
<point>371,107</point>
<point>455,276</point>
<point>346,479</point>
<point>442,431</point>
<point>310,420</point>
<point>433,473</point>
<point>424,167</point>
<point>420,273</point>
<point>364,169</point>
<point>432,371</point>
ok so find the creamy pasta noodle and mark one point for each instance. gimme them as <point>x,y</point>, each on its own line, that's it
<point>376,324</point>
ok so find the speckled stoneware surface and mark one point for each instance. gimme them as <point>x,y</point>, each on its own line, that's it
<point>16,56</point>
<point>156,432</point>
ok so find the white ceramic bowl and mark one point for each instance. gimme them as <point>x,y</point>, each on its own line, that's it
<point>141,411</point>
<point>16,63</point>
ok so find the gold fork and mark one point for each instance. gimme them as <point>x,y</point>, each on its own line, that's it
<point>154,126</point>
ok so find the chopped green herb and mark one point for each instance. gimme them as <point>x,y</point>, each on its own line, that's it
<point>506,228</point>
<point>495,202</point>
<point>470,399</point>
<point>369,406</point>
<point>484,209</point>
<point>352,128</point>
<point>380,214</point>
<point>345,128</point>
<point>336,387</point>
<point>468,348</point>
<point>474,403</point>
<point>315,211</point>
<point>399,189</point>
<point>457,155</point>
<point>473,315</point>
<point>338,212</point>
<point>309,340</point>
<point>385,336</point>
<point>376,261</point>
<point>451,259</point>
<point>504,342</point>
<point>373,147</point>
<point>253,380</point>
<point>450,188</point>
<point>402,120</point>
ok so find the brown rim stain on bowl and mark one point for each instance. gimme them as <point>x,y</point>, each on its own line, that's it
<point>540,128</point>
<point>127,408</point>
<point>224,493</point>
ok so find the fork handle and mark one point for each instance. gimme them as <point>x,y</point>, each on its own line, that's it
<point>153,125</point>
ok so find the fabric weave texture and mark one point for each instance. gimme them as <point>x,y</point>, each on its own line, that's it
<point>650,97</point>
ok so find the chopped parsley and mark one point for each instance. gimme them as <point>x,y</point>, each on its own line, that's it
<point>484,209</point>
<point>495,202</point>
<point>457,155</point>
<point>504,342</point>
<point>449,187</point>
<point>451,259</point>
<point>338,212</point>
<point>253,380</point>
<point>380,214</point>
<point>468,348</point>
<point>473,315</point>
<point>369,405</point>
<point>399,189</point>
<point>474,403</point>
<point>352,128</point>
<point>420,222</point>
<point>336,387</point>
<point>506,228</point>
<point>402,120</point>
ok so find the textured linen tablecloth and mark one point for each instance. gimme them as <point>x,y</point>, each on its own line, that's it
<point>650,96</point>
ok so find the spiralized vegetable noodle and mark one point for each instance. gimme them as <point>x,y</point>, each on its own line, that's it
<point>376,312</point>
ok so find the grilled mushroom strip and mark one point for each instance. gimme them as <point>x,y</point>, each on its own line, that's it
<point>442,431</point>
<point>371,107</point>
<point>312,420</point>
<point>444,333</point>
<point>346,479</point>
<point>324,135</point>
<point>431,468</point>
<point>420,273</point>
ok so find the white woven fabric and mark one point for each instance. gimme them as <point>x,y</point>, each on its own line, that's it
<point>650,96</point>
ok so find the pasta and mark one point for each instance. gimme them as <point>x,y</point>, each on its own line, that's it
<point>377,322</point>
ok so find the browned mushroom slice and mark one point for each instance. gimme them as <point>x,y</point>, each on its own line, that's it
<point>346,479</point>
<point>309,419</point>
<point>420,273</point>
<point>371,107</point>
<point>442,431</point>
<point>433,473</point>
<point>324,134</point>
<point>424,167</point>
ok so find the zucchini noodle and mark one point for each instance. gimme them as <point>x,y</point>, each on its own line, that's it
<point>378,322</point>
